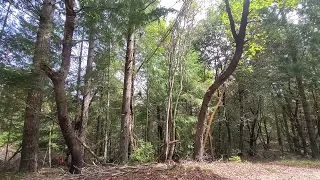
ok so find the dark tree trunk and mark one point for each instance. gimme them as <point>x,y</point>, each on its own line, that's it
<point>67,129</point>
<point>278,128</point>
<point>159,129</point>
<point>59,80</point>
<point>218,148</point>
<point>293,116</point>
<point>306,110</point>
<point>31,126</point>
<point>267,133</point>
<point>241,125</point>
<point>229,136</point>
<point>239,40</point>
<point>127,98</point>
<point>252,137</point>
<point>286,127</point>
<point>98,135</point>
<point>316,109</point>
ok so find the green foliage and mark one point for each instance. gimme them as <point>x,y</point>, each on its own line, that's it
<point>145,153</point>
<point>14,76</point>
<point>235,159</point>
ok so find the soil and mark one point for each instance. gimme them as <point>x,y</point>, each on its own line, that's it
<point>186,171</point>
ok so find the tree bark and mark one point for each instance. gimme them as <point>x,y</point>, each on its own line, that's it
<point>127,97</point>
<point>241,125</point>
<point>8,141</point>
<point>286,127</point>
<point>108,120</point>
<point>252,135</point>
<point>278,128</point>
<point>169,132</point>
<point>147,127</point>
<point>159,129</point>
<point>316,109</point>
<point>307,115</point>
<point>239,40</point>
<point>31,126</point>
<point>293,116</point>
<point>58,79</point>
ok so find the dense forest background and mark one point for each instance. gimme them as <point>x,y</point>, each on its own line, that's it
<point>120,81</point>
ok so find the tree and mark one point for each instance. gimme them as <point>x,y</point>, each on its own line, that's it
<point>58,79</point>
<point>239,39</point>
<point>30,141</point>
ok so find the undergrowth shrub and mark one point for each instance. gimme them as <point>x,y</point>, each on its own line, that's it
<point>145,153</point>
<point>235,159</point>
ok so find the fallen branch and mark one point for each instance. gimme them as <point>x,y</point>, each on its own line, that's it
<point>18,151</point>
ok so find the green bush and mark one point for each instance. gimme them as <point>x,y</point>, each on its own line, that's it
<point>145,153</point>
<point>235,158</point>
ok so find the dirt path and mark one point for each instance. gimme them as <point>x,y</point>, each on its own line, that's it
<point>188,171</point>
<point>242,171</point>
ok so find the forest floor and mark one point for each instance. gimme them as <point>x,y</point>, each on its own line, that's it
<point>190,171</point>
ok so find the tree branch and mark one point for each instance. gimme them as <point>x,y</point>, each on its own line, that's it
<point>244,20</point>
<point>47,70</point>
<point>232,26</point>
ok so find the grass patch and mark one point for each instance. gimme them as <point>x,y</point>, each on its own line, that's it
<point>11,175</point>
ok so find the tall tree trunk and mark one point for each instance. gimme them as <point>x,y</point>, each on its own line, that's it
<point>278,128</point>
<point>239,40</point>
<point>287,132</point>
<point>147,127</point>
<point>99,129</point>
<point>58,79</point>
<point>241,94</point>
<point>108,120</point>
<point>267,133</point>
<point>8,141</point>
<point>127,98</point>
<point>31,126</point>
<point>87,94</point>
<point>229,135</point>
<point>306,110</point>
<point>169,119</point>
<point>159,129</point>
<point>132,143</point>
<point>293,116</point>
<point>49,145</point>
<point>317,110</point>
<point>252,136</point>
